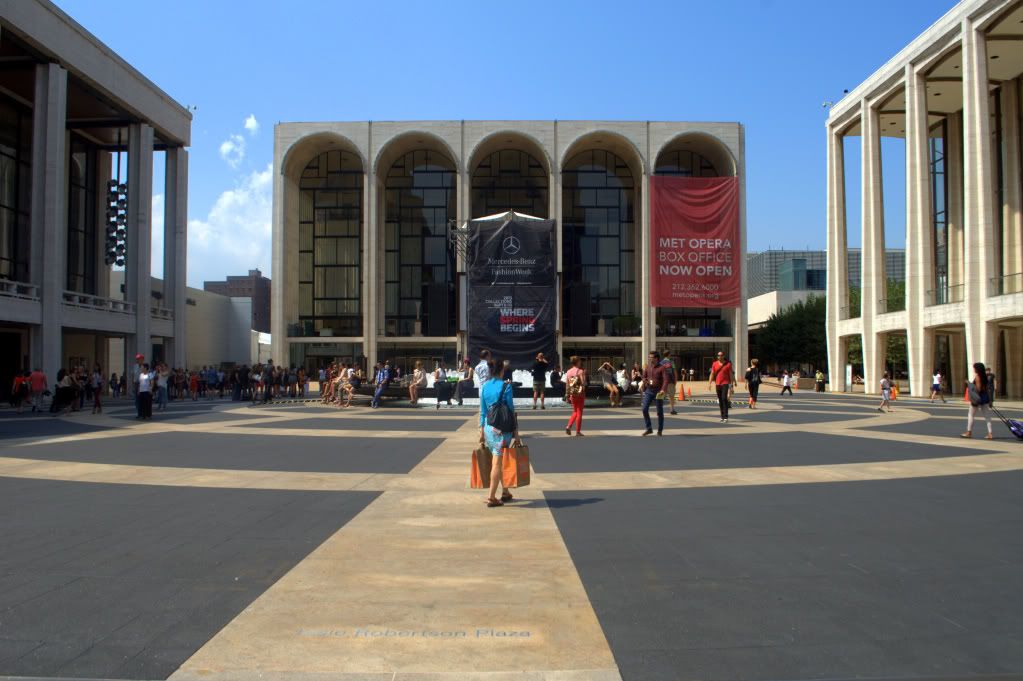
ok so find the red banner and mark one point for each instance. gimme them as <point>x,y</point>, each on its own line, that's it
<point>695,254</point>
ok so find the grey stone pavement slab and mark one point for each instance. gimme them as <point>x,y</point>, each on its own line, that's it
<point>46,425</point>
<point>901,578</point>
<point>555,454</point>
<point>236,451</point>
<point>127,581</point>
<point>357,422</point>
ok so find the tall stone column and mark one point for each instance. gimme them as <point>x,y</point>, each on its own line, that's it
<point>284,286</point>
<point>740,329</point>
<point>978,180</point>
<point>1012,210</point>
<point>838,261</point>
<point>919,233</point>
<point>369,268</point>
<point>48,263</point>
<point>138,242</point>
<point>175,248</point>
<point>649,313</point>
<point>873,280</point>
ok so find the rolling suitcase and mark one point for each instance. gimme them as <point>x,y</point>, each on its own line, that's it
<point>1015,427</point>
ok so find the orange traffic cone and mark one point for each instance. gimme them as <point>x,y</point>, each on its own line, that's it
<point>966,395</point>
<point>681,392</point>
<point>690,392</point>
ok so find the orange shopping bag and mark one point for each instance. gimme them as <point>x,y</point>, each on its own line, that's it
<point>515,466</point>
<point>482,460</point>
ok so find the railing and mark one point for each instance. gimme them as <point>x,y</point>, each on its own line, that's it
<point>1010,283</point>
<point>946,295</point>
<point>162,313</point>
<point>18,289</point>
<point>891,305</point>
<point>90,302</point>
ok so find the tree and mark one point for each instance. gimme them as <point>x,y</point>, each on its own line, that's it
<point>797,334</point>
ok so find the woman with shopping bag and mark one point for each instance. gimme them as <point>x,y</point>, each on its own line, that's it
<point>499,427</point>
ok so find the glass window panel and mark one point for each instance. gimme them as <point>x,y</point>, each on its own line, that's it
<point>305,267</point>
<point>326,251</point>
<point>608,251</point>
<point>305,299</point>
<point>435,251</point>
<point>305,236</point>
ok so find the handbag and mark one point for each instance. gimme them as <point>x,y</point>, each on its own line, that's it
<point>482,461</point>
<point>500,416</point>
<point>515,465</point>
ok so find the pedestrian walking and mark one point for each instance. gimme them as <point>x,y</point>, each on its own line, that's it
<point>786,383</point>
<point>498,430</point>
<point>539,372</point>
<point>886,393</point>
<point>819,380</point>
<point>652,384</point>
<point>575,393</point>
<point>753,381</point>
<point>482,369</point>
<point>936,386</point>
<point>115,386</point>
<point>670,372</point>
<point>980,392</point>
<point>992,387</point>
<point>21,389</point>
<point>38,384</point>
<point>96,381</point>
<point>722,376</point>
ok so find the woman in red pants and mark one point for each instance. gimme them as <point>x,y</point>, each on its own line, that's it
<point>575,393</point>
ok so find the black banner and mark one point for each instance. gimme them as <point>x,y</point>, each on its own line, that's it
<point>513,322</point>
<point>512,250</point>
<point>512,306</point>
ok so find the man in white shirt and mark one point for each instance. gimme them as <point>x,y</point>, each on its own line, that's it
<point>936,386</point>
<point>482,370</point>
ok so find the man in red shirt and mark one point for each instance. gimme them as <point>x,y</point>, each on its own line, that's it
<point>37,382</point>
<point>655,382</point>
<point>722,377</point>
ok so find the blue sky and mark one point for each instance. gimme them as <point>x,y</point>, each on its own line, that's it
<point>765,63</point>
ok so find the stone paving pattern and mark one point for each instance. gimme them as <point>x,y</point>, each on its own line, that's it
<point>812,538</point>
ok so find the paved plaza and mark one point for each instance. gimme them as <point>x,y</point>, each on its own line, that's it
<point>813,538</point>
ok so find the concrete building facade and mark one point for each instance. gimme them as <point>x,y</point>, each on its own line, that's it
<point>78,131</point>
<point>777,270</point>
<point>252,285</point>
<point>363,269</point>
<point>954,96</point>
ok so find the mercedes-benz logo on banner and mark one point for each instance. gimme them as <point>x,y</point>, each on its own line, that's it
<point>511,245</point>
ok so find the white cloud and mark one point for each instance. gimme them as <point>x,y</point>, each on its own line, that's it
<point>252,125</point>
<point>232,150</point>
<point>235,235</point>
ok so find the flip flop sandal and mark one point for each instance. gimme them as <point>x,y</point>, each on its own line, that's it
<point>491,503</point>
<point>507,496</point>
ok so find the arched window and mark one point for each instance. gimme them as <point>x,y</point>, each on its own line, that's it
<point>509,179</point>
<point>330,244</point>
<point>684,163</point>
<point>599,245</point>
<point>419,264</point>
